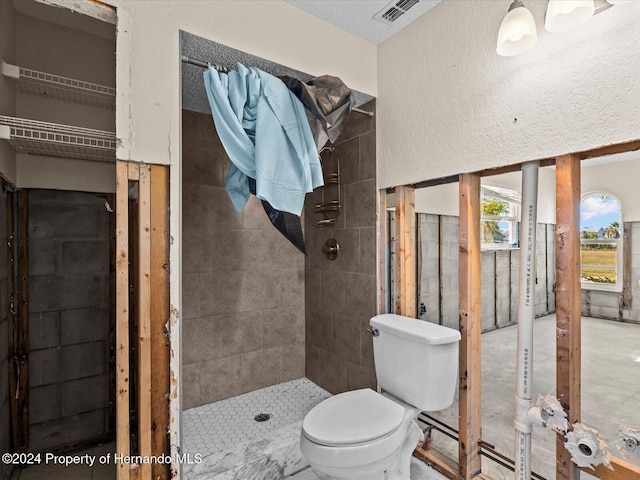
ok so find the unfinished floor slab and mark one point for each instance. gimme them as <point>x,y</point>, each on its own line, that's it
<point>610,389</point>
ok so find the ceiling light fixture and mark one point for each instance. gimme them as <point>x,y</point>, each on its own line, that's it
<point>517,32</point>
<point>563,15</point>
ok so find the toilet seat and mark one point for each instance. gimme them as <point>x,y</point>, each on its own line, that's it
<point>352,418</point>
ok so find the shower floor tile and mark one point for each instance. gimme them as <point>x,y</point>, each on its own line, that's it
<point>221,425</point>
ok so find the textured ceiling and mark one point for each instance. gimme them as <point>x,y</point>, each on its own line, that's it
<point>194,96</point>
<point>356,16</point>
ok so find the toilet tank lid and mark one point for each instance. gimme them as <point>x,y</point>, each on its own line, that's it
<point>414,329</point>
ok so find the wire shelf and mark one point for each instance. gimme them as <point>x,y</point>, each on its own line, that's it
<point>59,87</point>
<point>57,140</point>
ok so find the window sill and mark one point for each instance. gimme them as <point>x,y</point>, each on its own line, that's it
<point>489,247</point>
<point>590,286</point>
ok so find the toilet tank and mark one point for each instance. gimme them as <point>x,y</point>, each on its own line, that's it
<point>416,361</point>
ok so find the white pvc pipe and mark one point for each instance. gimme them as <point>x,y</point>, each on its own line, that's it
<point>526,313</point>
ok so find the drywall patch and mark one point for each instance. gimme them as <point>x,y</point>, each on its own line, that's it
<point>587,447</point>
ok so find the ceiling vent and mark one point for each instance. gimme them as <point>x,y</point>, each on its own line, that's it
<point>394,10</point>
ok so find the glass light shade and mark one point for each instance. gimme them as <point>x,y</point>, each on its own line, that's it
<point>563,15</point>
<point>517,32</point>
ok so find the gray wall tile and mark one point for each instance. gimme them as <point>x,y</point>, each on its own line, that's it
<point>279,326</point>
<point>190,377</point>
<point>340,296</point>
<point>292,361</point>
<point>243,282</point>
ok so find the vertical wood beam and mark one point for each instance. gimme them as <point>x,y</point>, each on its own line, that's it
<point>160,348</point>
<point>405,271</point>
<point>11,318</point>
<point>22,346</point>
<point>110,199</point>
<point>568,325</point>
<point>440,272</point>
<point>143,298</point>
<point>381,249</point>
<point>122,317</point>
<point>626,265</point>
<point>470,408</point>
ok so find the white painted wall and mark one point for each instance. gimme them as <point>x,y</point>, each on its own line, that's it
<point>149,95</point>
<point>56,173</point>
<point>447,103</point>
<point>619,179</point>
<point>7,87</point>
<point>444,199</point>
<point>439,200</point>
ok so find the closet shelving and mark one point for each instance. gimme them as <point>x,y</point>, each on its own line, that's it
<point>59,87</point>
<point>53,139</point>
<point>57,140</point>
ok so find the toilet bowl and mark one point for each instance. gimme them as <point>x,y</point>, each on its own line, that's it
<point>360,435</point>
<point>365,435</point>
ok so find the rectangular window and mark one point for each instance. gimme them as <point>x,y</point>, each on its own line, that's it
<point>599,259</point>
<point>499,218</point>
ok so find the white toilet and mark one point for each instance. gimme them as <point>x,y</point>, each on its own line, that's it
<point>364,435</point>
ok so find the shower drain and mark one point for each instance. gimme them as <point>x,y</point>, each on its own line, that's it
<point>262,417</point>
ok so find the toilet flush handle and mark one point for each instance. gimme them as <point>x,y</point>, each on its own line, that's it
<point>373,331</point>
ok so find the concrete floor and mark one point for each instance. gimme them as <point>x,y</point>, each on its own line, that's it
<point>610,389</point>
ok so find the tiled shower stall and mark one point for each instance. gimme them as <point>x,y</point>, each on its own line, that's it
<point>256,311</point>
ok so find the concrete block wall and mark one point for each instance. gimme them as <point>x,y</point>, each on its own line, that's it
<point>5,415</point>
<point>68,318</point>
<point>243,282</point>
<point>450,248</point>
<point>341,294</point>
<point>438,275</point>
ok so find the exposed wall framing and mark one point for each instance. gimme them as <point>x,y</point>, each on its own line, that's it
<point>21,332</point>
<point>123,441</point>
<point>405,271</point>
<point>150,302</point>
<point>626,262</point>
<point>381,249</point>
<point>470,406</point>
<point>160,346</point>
<point>11,321</point>
<point>568,315</point>
<point>567,298</point>
<point>621,471</point>
<point>110,199</point>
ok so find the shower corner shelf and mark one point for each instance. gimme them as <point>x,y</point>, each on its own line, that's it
<point>59,87</point>
<point>57,140</point>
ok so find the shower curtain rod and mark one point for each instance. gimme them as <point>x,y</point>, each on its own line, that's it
<point>200,63</point>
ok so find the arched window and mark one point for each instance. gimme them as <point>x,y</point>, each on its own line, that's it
<point>601,241</point>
